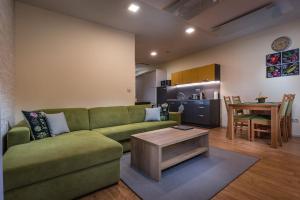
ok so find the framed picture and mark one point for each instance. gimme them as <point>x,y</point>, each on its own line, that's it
<point>290,56</point>
<point>273,71</point>
<point>290,69</point>
<point>273,59</point>
<point>284,63</point>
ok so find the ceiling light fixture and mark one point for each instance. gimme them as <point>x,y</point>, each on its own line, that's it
<point>190,30</point>
<point>153,53</point>
<point>133,8</point>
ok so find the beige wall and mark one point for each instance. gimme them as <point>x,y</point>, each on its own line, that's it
<point>67,62</point>
<point>7,70</point>
<point>243,70</point>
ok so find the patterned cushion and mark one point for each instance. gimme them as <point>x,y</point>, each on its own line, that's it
<point>38,124</point>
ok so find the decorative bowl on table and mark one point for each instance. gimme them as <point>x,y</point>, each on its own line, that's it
<point>261,99</point>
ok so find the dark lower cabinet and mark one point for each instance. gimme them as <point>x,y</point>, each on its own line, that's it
<point>173,106</point>
<point>199,112</point>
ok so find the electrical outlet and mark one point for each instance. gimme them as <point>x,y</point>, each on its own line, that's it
<point>295,120</point>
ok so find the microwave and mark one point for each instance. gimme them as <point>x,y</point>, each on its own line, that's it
<point>165,83</point>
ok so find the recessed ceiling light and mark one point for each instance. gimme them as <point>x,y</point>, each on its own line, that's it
<point>153,53</point>
<point>190,30</point>
<point>133,7</point>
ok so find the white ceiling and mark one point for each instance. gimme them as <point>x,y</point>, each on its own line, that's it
<point>157,29</point>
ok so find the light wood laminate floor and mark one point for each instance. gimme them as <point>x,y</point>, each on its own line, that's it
<point>275,176</point>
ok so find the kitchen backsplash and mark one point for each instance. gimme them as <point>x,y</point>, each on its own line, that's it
<point>208,91</point>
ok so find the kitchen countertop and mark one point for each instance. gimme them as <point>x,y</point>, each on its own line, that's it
<point>191,99</point>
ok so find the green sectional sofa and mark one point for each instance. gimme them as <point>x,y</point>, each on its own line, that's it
<point>75,163</point>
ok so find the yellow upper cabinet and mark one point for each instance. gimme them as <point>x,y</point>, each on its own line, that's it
<point>189,76</point>
<point>176,78</point>
<point>198,74</point>
<point>206,73</point>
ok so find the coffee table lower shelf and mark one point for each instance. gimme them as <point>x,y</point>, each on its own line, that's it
<point>182,157</point>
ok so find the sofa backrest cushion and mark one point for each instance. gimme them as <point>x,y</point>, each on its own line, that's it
<point>77,118</point>
<point>137,113</point>
<point>108,116</point>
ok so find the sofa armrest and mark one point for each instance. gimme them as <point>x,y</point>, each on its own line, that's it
<point>175,116</point>
<point>18,135</point>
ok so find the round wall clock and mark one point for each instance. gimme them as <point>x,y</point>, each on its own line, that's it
<point>281,43</point>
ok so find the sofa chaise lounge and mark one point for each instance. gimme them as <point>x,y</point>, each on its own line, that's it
<point>76,163</point>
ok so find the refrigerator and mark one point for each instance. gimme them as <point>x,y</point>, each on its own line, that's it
<point>161,95</point>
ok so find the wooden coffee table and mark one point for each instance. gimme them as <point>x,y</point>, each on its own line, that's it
<point>154,151</point>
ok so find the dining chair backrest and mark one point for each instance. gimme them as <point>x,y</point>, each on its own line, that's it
<point>289,108</point>
<point>227,101</point>
<point>237,100</point>
<point>284,106</point>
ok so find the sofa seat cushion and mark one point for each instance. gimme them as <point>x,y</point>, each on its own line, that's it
<point>123,132</point>
<point>55,156</point>
<point>150,126</point>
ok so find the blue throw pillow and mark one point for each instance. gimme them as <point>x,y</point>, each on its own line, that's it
<point>152,114</point>
<point>57,124</point>
<point>37,122</point>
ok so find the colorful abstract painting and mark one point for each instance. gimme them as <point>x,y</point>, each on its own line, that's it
<point>284,63</point>
<point>273,59</point>
<point>290,56</point>
<point>290,69</point>
<point>273,71</point>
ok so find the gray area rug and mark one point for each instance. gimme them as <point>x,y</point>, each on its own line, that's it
<point>199,178</point>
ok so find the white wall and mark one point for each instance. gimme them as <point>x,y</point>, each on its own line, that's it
<point>243,67</point>
<point>160,76</point>
<point>146,87</point>
<point>7,68</point>
<point>7,74</point>
<point>63,61</point>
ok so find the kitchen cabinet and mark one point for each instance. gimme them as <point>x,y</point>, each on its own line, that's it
<point>173,105</point>
<point>176,78</point>
<point>198,74</point>
<point>199,112</point>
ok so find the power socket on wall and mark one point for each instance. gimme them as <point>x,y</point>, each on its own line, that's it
<point>295,120</point>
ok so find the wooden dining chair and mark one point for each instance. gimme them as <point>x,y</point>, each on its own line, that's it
<point>240,121</point>
<point>262,123</point>
<point>288,121</point>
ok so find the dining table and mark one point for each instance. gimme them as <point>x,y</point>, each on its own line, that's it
<point>270,107</point>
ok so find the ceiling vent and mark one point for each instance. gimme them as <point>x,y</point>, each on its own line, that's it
<point>187,9</point>
<point>253,12</point>
<point>266,15</point>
